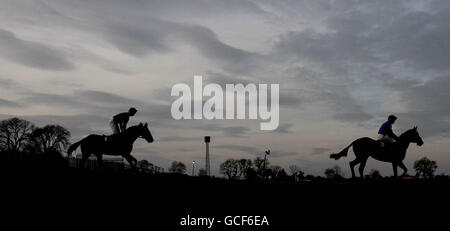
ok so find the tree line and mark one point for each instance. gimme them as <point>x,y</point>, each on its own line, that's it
<point>257,169</point>
<point>24,146</point>
<point>424,168</point>
<point>18,135</point>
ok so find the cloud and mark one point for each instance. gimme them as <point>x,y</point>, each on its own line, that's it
<point>427,105</point>
<point>371,33</point>
<point>255,151</point>
<point>137,39</point>
<point>343,106</point>
<point>8,103</point>
<point>219,126</point>
<point>285,128</point>
<point>102,104</point>
<point>365,44</point>
<point>289,99</point>
<point>249,150</point>
<point>235,131</point>
<point>134,27</point>
<point>6,83</point>
<point>66,101</point>
<point>106,98</point>
<point>320,151</point>
<point>32,54</point>
<point>420,39</point>
<point>140,36</point>
<point>178,139</point>
<point>208,44</point>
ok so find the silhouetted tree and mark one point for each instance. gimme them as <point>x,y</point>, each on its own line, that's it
<point>274,171</point>
<point>425,167</point>
<point>330,173</point>
<point>375,174</point>
<point>296,172</point>
<point>442,176</point>
<point>230,168</point>
<point>48,138</point>
<point>251,174</point>
<point>334,173</point>
<point>177,167</point>
<point>243,166</point>
<point>259,165</point>
<point>282,175</point>
<point>293,169</point>
<point>14,133</point>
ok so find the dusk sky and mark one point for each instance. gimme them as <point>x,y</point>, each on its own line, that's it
<point>343,67</point>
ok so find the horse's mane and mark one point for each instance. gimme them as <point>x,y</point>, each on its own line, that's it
<point>131,128</point>
<point>407,132</point>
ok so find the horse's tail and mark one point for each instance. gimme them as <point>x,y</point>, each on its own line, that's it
<point>73,147</point>
<point>344,152</point>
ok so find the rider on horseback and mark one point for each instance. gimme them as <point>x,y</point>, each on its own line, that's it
<point>385,133</point>
<point>119,121</point>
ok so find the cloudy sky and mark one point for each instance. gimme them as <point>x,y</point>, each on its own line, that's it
<point>342,66</point>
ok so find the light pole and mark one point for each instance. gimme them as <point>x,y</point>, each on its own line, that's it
<point>265,159</point>
<point>207,164</point>
<point>193,168</point>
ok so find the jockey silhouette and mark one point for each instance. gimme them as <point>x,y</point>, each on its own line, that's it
<point>385,133</point>
<point>119,121</point>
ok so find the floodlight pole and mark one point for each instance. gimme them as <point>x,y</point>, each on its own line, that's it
<point>207,164</point>
<point>265,159</point>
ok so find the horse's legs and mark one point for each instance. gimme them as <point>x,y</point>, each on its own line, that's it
<point>131,160</point>
<point>84,158</point>
<point>134,160</point>
<point>402,166</point>
<point>361,158</point>
<point>100,161</point>
<point>85,153</point>
<point>394,166</point>
<point>362,165</point>
<point>352,165</point>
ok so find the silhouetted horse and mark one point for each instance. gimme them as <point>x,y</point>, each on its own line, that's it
<point>116,144</point>
<point>391,152</point>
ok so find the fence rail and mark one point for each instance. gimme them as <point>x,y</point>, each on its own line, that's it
<point>92,164</point>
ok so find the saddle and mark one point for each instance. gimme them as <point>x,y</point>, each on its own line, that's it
<point>385,144</point>
<point>109,138</point>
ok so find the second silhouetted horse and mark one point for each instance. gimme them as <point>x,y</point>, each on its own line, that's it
<point>392,152</point>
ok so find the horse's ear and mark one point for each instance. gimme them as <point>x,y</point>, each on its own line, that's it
<point>140,124</point>
<point>145,125</point>
<point>415,127</point>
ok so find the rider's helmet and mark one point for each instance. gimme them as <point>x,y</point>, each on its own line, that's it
<point>132,111</point>
<point>392,118</point>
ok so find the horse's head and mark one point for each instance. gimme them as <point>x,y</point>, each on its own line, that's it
<point>145,133</point>
<point>413,136</point>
